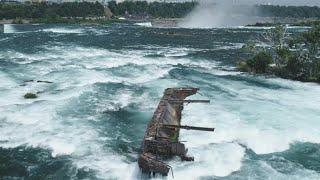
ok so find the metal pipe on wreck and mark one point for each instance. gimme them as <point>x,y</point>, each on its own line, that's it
<point>189,101</point>
<point>187,127</point>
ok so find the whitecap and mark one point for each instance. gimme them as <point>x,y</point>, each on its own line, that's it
<point>9,28</point>
<point>63,30</point>
<point>144,24</point>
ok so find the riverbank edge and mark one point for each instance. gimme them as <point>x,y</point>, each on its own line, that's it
<point>83,21</point>
<point>272,71</point>
<point>104,20</point>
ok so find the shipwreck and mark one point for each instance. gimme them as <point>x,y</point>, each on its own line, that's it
<point>161,140</point>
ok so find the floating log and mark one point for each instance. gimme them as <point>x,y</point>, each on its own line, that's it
<point>38,81</point>
<point>49,82</point>
<point>161,138</point>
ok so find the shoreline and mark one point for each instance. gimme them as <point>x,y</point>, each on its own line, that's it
<point>62,21</point>
<point>156,22</point>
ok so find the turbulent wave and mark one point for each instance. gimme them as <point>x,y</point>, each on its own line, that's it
<point>90,121</point>
<point>8,28</point>
<point>63,30</point>
<point>145,24</point>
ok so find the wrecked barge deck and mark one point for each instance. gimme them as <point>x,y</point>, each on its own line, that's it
<point>161,138</point>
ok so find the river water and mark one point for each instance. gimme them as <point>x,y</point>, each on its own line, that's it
<point>107,81</point>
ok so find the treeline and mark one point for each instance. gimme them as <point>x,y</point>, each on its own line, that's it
<point>154,9</point>
<point>289,11</point>
<point>177,10</point>
<point>139,8</point>
<point>45,10</point>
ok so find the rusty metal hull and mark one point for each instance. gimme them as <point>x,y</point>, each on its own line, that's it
<point>161,142</point>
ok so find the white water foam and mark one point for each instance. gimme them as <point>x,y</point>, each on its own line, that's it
<point>256,116</point>
<point>259,122</point>
<point>86,60</point>
<point>255,27</point>
<point>9,28</point>
<point>63,30</point>
<point>144,24</point>
<point>6,82</point>
<point>210,160</point>
<point>38,125</point>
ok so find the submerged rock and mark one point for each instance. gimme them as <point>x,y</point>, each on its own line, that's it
<point>1,28</point>
<point>242,66</point>
<point>30,96</point>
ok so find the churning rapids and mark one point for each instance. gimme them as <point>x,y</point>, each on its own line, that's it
<point>107,81</point>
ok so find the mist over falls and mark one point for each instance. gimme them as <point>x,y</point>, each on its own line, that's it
<point>226,14</point>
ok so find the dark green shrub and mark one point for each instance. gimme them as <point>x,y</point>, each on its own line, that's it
<point>17,20</point>
<point>260,62</point>
<point>284,55</point>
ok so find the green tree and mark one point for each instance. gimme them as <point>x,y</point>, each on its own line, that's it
<point>260,62</point>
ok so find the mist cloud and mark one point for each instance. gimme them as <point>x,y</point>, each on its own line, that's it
<point>253,2</point>
<point>210,14</point>
<point>230,13</point>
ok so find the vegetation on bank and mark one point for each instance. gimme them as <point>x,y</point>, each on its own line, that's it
<point>53,10</point>
<point>310,23</point>
<point>153,9</point>
<point>178,10</point>
<point>288,57</point>
<point>289,11</point>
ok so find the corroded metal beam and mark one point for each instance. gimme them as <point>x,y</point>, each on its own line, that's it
<point>188,101</point>
<point>188,127</point>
